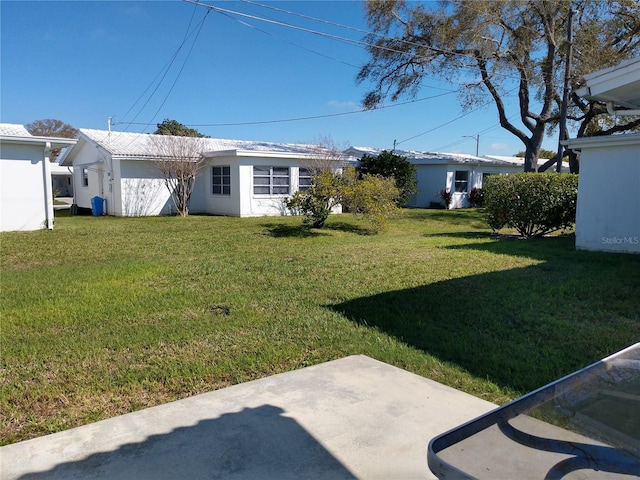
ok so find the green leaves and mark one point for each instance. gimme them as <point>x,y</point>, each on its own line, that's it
<point>534,204</point>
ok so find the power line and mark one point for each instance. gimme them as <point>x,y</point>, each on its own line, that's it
<point>450,121</point>
<point>163,72</point>
<point>336,37</point>
<point>296,119</point>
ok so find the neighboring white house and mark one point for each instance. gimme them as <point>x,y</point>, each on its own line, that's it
<point>520,162</point>
<point>453,172</point>
<point>239,178</point>
<point>608,209</point>
<point>26,194</point>
<point>62,180</point>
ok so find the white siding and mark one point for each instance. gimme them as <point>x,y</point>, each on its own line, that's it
<point>23,203</point>
<point>143,191</point>
<point>608,211</point>
<point>88,157</point>
<point>431,179</point>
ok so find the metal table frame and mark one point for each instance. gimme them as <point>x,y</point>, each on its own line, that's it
<point>595,457</point>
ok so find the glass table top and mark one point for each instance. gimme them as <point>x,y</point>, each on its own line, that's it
<point>585,425</point>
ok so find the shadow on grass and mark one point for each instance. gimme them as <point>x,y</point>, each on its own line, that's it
<point>348,228</point>
<point>520,328</point>
<point>279,230</point>
<point>302,231</point>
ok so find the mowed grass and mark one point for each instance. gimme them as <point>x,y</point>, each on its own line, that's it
<point>104,316</point>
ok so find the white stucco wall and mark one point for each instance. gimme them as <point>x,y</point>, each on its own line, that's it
<point>88,158</point>
<point>242,202</point>
<point>608,210</point>
<point>142,190</point>
<point>23,204</point>
<point>435,177</point>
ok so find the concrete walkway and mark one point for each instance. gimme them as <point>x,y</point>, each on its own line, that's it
<point>351,418</point>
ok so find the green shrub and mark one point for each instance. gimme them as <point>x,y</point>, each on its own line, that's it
<point>476,197</point>
<point>387,164</point>
<point>372,196</point>
<point>317,202</point>
<point>532,203</point>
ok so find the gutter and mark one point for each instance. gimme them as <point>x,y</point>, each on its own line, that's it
<point>622,113</point>
<point>48,188</point>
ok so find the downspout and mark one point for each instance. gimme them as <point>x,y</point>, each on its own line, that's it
<point>48,189</point>
<point>621,113</point>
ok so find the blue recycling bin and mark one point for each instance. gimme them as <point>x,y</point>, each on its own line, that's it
<point>97,204</point>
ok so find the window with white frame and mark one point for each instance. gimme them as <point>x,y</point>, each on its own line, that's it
<point>305,179</point>
<point>221,180</point>
<point>270,180</point>
<point>85,177</point>
<point>462,181</point>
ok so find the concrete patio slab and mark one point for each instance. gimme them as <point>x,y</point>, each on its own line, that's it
<point>350,418</point>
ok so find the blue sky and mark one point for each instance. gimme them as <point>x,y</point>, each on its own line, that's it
<point>141,62</point>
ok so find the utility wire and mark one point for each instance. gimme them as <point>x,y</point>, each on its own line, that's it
<point>312,117</point>
<point>163,72</point>
<point>337,37</point>
<point>287,41</point>
<point>450,121</point>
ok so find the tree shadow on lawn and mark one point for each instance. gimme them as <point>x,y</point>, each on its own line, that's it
<point>520,328</point>
<point>279,230</point>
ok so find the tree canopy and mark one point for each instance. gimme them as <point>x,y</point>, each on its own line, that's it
<point>390,165</point>
<point>498,50</point>
<point>175,128</point>
<point>51,127</point>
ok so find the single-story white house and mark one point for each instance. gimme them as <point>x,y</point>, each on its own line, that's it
<point>239,178</point>
<point>453,172</point>
<point>608,209</point>
<point>26,193</point>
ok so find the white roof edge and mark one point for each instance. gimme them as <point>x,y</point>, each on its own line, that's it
<point>603,141</point>
<point>55,142</point>
<point>266,153</point>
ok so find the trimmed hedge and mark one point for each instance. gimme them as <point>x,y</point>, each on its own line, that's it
<point>533,203</point>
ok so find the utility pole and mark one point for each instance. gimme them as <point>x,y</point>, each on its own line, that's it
<point>477,137</point>
<point>565,92</point>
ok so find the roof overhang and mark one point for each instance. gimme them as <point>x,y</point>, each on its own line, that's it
<point>271,154</point>
<point>46,142</point>
<point>603,141</point>
<point>619,84</point>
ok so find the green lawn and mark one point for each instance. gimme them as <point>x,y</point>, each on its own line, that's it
<point>104,315</point>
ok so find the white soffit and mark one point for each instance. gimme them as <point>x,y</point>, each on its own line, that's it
<point>619,84</point>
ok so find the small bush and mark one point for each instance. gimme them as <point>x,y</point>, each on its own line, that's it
<point>446,197</point>
<point>476,197</point>
<point>317,202</point>
<point>372,196</point>
<point>534,204</point>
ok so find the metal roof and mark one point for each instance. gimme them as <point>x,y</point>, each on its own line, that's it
<point>423,158</point>
<point>14,130</point>
<point>143,145</point>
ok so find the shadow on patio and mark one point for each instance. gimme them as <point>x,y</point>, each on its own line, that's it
<point>253,443</point>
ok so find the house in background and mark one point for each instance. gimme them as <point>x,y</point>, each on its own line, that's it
<point>62,180</point>
<point>608,209</point>
<point>26,193</point>
<point>520,162</point>
<point>456,173</point>
<point>239,178</point>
